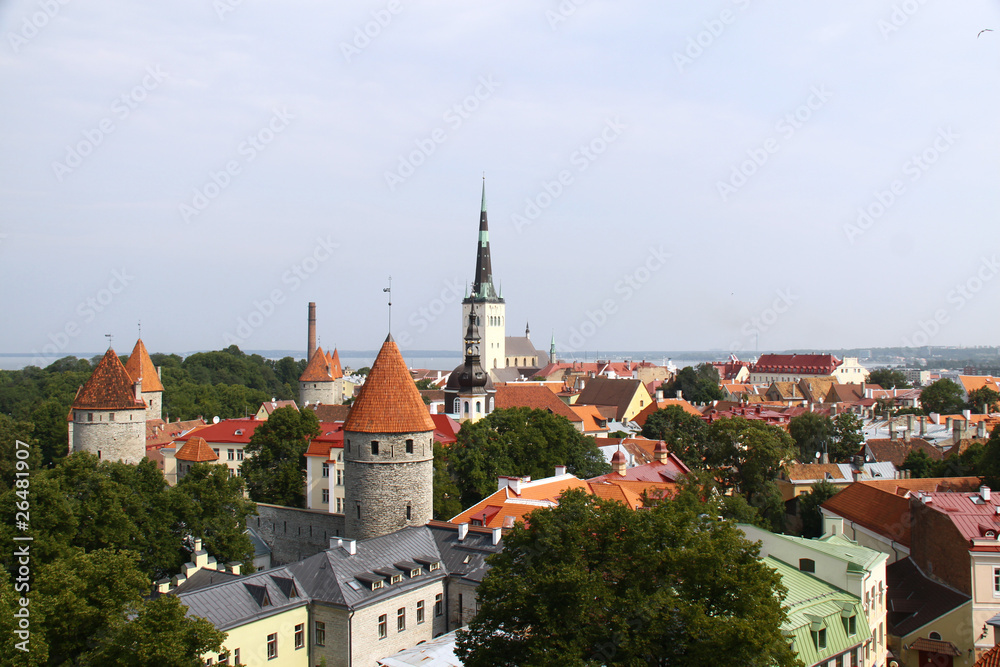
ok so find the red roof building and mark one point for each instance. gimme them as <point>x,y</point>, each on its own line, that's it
<point>109,387</point>
<point>389,401</point>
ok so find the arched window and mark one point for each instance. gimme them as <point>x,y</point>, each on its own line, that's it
<point>807,565</point>
<point>936,636</point>
<point>466,404</point>
<point>491,405</point>
<point>479,407</point>
<point>458,406</point>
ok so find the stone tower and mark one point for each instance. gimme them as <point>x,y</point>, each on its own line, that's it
<point>322,380</point>
<point>140,368</point>
<point>108,417</point>
<point>486,302</point>
<point>388,452</point>
<point>469,394</point>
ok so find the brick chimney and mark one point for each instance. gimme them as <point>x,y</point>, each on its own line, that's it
<point>660,452</point>
<point>311,344</point>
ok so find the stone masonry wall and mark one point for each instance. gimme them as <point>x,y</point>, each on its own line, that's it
<point>317,392</point>
<point>293,533</point>
<point>122,439</point>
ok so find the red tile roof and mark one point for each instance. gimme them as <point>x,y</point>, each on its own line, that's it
<point>271,406</point>
<point>160,433</point>
<point>226,431</point>
<point>641,418</point>
<point>445,429</point>
<point>970,514</point>
<point>196,450</point>
<point>319,368</point>
<point>535,397</point>
<point>109,388</point>
<point>140,365</point>
<point>798,364</point>
<point>389,401</point>
<point>896,451</point>
<point>989,659</point>
<point>335,369</point>
<point>881,506</point>
<point>330,413</point>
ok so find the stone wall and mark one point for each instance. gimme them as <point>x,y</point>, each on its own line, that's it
<point>317,392</point>
<point>154,404</point>
<point>292,533</point>
<point>379,487</point>
<point>120,439</point>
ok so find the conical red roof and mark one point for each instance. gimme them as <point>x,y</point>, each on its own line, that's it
<point>140,365</point>
<point>109,388</point>
<point>318,368</point>
<point>389,401</point>
<point>196,450</point>
<point>336,371</point>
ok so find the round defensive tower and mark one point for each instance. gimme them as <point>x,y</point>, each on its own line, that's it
<point>108,415</point>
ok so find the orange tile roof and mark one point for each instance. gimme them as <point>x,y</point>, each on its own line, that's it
<point>535,397</point>
<point>196,450</point>
<point>109,387</point>
<point>318,368</point>
<point>973,382</point>
<point>989,659</point>
<point>140,365</point>
<point>590,414</point>
<point>389,401</point>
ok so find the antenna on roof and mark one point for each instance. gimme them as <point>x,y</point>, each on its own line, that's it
<point>389,290</point>
<point>140,329</point>
<point>110,341</point>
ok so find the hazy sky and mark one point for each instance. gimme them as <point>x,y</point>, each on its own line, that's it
<point>659,175</point>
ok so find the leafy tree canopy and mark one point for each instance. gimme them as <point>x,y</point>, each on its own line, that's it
<point>447,496</point>
<point>682,431</point>
<point>812,517</point>
<point>697,385</point>
<point>595,583</point>
<point>984,397</point>
<point>519,441</point>
<point>887,378</point>
<point>943,397</point>
<point>275,468</point>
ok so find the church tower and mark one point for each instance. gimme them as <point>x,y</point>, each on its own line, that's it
<point>486,303</point>
<point>388,452</point>
<point>141,369</point>
<point>108,415</point>
<point>469,394</point>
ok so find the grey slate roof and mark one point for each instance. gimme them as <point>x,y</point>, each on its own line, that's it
<point>476,547</point>
<point>232,603</point>
<point>519,346</point>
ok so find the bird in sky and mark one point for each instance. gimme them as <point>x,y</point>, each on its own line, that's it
<point>984,30</point>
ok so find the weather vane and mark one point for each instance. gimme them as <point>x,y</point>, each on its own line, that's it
<point>389,291</point>
<point>109,337</point>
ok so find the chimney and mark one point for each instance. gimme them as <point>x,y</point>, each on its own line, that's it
<point>833,409</point>
<point>981,429</point>
<point>659,394</point>
<point>159,372</point>
<point>892,430</point>
<point>560,470</point>
<point>947,423</point>
<point>235,568</point>
<point>660,452</point>
<point>923,426</point>
<point>984,491</point>
<point>351,546</point>
<point>618,464</point>
<point>336,542</point>
<point>833,525</point>
<point>497,532</point>
<point>909,423</point>
<point>463,530</point>
<point>311,344</point>
<point>680,394</point>
<point>967,414</point>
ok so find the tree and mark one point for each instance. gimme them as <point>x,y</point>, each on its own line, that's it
<point>447,501</point>
<point>919,463</point>
<point>984,400</point>
<point>275,467</point>
<point>812,517</point>
<point>847,437</point>
<point>887,378</point>
<point>943,397</point>
<point>519,441</point>
<point>681,431</point>
<point>591,582</point>
<point>989,462</point>
<point>697,385</point>
<point>812,434</point>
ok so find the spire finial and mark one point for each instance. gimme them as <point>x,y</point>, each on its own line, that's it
<point>389,290</point>
<point>140,329</point>
<point>484,192</point>
<point>110,341</point>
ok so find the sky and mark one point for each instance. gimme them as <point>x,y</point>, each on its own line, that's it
<point>660,176</point>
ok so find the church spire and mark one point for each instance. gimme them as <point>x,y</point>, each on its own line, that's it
<point>483,288</point>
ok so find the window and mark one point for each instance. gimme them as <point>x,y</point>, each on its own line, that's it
<point>340,505</point>
<point>420,611</point>
<point>996,581</point>
<point>216,452</point>
<point>383,626</point>
<point>111,418</point>
<point>224,658</point>
<point>340,476</point>
<point>208,661</point>
<point>239,454</point>
<point>409,446</point>
<point>359,510</point>
<point>850,624</point>
<point>98,453</point>
<point>409,512</point>
<point>807,565</point>
<point>819,638</point>
<point>320,633</point>
<point>400,619</point>
<point>272,646</point>
<point>90,416</point>
<point>326,469</point>
<point>236,656</point>
<point>936,636</point>
<point>348,445</point>
<point>232,454</point>
<point>458,406</point>
<point>438,605</point>
<point>374,447</point>
<point>326,496</point>
<point>300,635</point>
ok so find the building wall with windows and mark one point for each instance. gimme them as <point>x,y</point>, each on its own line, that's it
<point>256,640</point>
<point>325,481</point>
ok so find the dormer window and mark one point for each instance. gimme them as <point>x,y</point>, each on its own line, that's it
<point>807,565</point>
<point>395,579</point>
<point>239,431</point>
<point>377,585</point>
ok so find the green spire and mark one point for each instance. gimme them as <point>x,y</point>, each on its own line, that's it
<point>484,194</point>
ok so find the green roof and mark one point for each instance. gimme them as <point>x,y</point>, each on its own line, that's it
<point>857,557</point>
<point>812,604</point>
